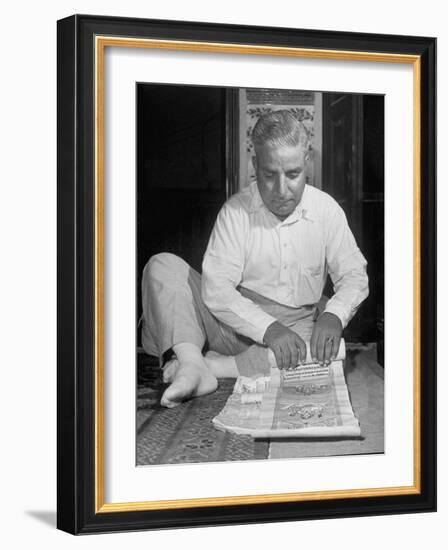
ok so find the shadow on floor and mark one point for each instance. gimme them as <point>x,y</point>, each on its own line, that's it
<point>44,516</point>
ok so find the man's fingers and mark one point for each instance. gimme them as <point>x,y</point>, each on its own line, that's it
<point>282,358</point>
<point>313,345</point>
<point>295,354</point>
<point>320,351</point>
<point>328,350</point>
<point>302,350</point>
<point>336,344</point>
<point>278,357</point>
<point>286,354</point>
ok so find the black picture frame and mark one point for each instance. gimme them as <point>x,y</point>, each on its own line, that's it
<point>78,509</point>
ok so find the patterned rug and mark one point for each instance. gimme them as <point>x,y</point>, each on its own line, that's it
<point>185,434</point>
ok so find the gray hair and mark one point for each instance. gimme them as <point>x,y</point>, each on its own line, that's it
<point>280,128</point>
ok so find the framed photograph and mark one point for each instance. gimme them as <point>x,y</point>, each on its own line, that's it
<point>246,274</point>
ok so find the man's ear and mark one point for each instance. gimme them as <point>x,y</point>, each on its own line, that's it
<point>307,160</point>
<point>254,162</point>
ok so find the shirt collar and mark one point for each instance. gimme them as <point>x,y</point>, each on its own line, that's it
<point>303,211</point>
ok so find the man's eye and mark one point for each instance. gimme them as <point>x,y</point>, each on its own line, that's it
<point>268,174</point>
<point>293,175</point>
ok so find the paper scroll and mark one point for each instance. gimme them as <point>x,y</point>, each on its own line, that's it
<point>309,401</point>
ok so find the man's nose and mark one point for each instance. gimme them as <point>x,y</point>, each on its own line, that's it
<point>282,188</point>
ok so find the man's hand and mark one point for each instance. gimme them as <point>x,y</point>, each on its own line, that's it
<point>326,338</point>
<point>289,349</point>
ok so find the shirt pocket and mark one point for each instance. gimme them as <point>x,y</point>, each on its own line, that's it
<point>312,280</point>
<point>314,271</point>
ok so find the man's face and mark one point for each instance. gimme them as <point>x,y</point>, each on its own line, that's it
<point>280,177</point>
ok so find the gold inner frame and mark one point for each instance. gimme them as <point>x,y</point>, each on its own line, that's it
<point>101,42</point>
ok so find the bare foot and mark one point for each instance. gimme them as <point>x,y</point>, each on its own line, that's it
<point>188,379</point>
<point>170,369</point>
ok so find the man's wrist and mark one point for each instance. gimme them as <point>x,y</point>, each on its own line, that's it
<point>334,312</point>
<point>331,315</point>
<point>269,328</point>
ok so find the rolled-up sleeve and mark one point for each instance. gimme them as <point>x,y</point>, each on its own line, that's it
<point>347,268</point>
<point>222,271</point>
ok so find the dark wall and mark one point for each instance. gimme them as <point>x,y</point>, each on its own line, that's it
<point>373,211</point>
<point>181,171</point>
<point>353,173</point>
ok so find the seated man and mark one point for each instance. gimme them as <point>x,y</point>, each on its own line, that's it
<point>264,271</point>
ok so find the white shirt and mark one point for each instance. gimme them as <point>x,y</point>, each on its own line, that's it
<point>285,261</point>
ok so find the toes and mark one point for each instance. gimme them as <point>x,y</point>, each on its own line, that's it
<point>190,380</point>
<point>169,370</point>
<point>166,402</point>
<point>180,390</point>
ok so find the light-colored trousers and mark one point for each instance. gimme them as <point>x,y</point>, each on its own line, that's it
<point>174,313</point>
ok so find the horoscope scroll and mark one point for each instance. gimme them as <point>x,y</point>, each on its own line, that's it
<point>311,400</point>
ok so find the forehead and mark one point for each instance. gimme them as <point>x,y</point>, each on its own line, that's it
<point>280,155</point>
